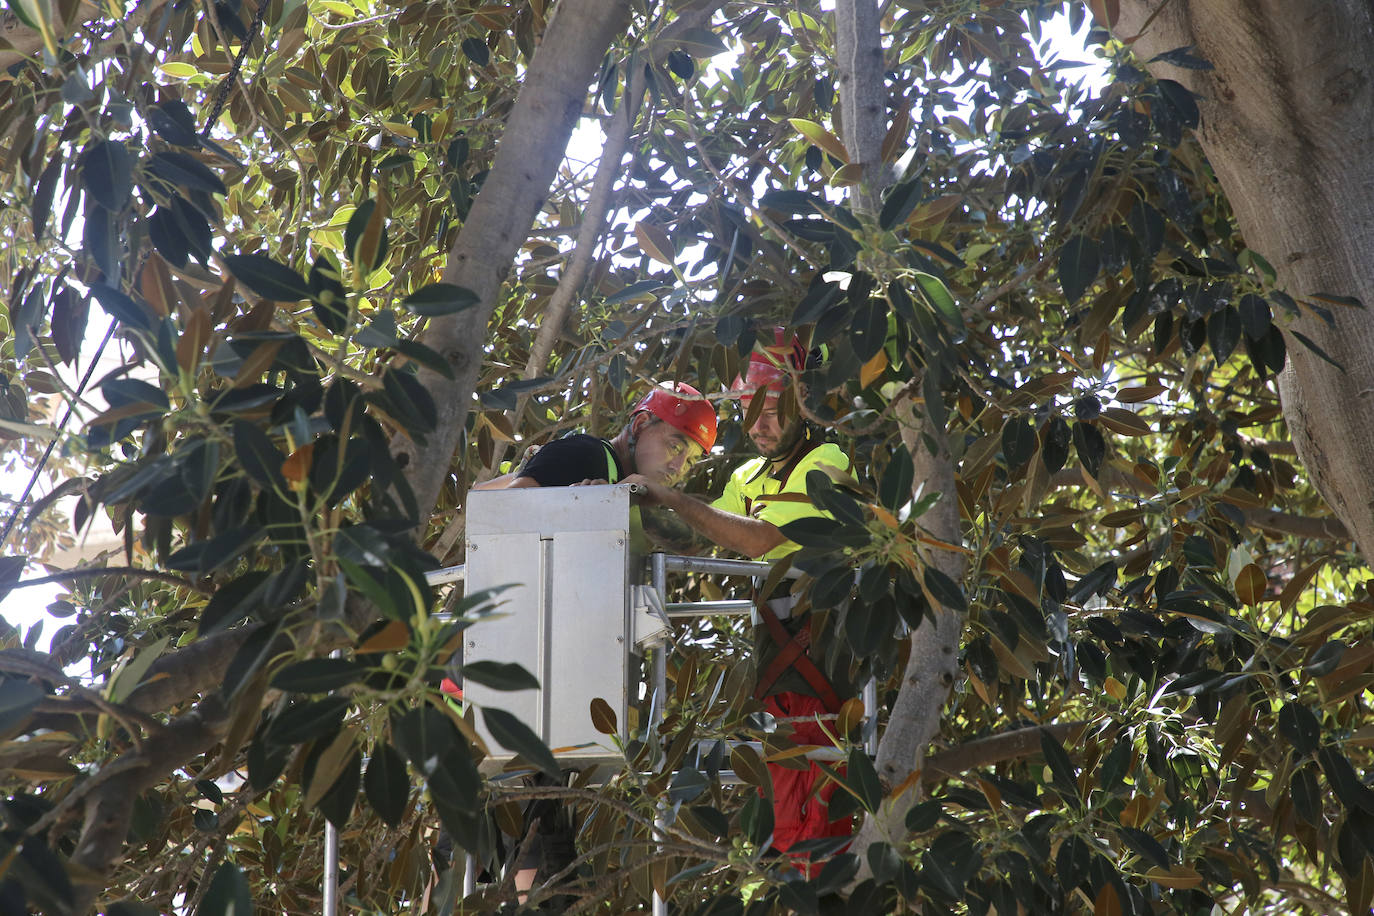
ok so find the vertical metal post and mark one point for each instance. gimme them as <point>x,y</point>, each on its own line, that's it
<point>469,875</point>
<point>870,728</point>
<point>660,576</point>
<point>331,869</point>
<point>660,701</point>
<point>331,858</point>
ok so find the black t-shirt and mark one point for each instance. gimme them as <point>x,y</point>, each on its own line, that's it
<point>573,459</point>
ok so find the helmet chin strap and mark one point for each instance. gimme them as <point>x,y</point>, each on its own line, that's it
<point>632,440</point>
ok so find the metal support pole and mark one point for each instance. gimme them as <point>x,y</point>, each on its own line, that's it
<point>870,727</point>
<point>331,869</point>
<point>660,701</point>
<point>331,858</point>
<point>469,875</point>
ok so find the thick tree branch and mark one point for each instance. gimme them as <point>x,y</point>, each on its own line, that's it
<point>545,112</point>
<point>109,807</point>
<point>1285,104</point>
<point>983,752</point>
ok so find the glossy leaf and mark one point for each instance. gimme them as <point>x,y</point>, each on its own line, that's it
<point>268,278</point>
<point>516,736</point>
<point>501,676</point>
<point>386,783</point>
<point>440,299</point>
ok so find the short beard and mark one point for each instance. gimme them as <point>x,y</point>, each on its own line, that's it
<point>787,442</point>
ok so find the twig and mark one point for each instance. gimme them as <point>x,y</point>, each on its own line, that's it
<point>98,571</point>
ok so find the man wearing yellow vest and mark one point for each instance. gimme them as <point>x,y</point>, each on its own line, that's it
<point>762,495</point>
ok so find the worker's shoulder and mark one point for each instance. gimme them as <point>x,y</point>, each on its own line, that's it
<point>749,470</point>
<point>827,453</point>
<point>571,444</point>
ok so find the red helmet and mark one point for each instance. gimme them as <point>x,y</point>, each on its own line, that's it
<point>770,367</point>
<point>683,407</point>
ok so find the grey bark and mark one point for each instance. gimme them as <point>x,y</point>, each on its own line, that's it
<point>863,96</point>
<point>536,136</point>
<point>933,665</point>
<point>1287,120</point>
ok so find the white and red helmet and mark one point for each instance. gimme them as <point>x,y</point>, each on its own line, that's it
<point>771,367</point>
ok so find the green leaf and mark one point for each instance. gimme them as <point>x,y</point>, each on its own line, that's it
<point>1065,777</point>
<point>945,590</point>
<point>386,784</point>
<point>318,675</point>
<point>1307,796</point>
<point>701,43</point>
<point>1223,332</point>
<point>360,579</point>
<point>121,308</point>
<point>328,298</point>
<point>1300,727</point>
<point>923,816</point>
<point>687,783</point>
<point>1079,263</point>
<point>1018,441</point>
<point>337,803</point>
<point>894,489</point>
<point>863,779</point>
<point>132,673</point>
<point>425,356</point>
<point>229,894</point>
<point>17,702</point>
<point>756,819</point>
<point>268,279</point>
<point>365,248</point>
<point>187,171</point>
<point>1335,299</point>
<point>1312,345</point>
<point>813,531</point>
<point>900,201</point>
<point>868,332</point>
<point>935,292</point>
<point>232,601</point>
<point>514,735</point>
<point>260,459</point>
<point>173,122</point>
<point>1255,316</point>
<point>500,675</point>
<point>301,722</point>
<point>1091,447</point>
<point>476,50</point>
<point>43,196</point>
<point>440,299</point>
<point>107,174</point>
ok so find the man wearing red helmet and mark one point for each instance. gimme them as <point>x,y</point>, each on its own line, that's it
<point>669,429</point>
<point>760,496</point>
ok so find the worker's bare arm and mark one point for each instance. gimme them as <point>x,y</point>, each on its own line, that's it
<point>506,482</point>
<point>667,531</point>
<point>749,536</point>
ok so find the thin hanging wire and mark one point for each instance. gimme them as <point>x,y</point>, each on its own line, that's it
<point>47,452</point>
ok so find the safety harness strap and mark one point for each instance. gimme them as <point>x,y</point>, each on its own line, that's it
<point>793,655</point>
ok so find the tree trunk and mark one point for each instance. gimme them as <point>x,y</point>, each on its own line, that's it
<point>932,667</point>
<point>1287,119</point>
<point>535,139</point>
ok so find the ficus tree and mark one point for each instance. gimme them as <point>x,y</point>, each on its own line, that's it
<point>1104,522</point>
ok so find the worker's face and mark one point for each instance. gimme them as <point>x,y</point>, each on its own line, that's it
<point>770,437</point>
<point>663,453</point>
